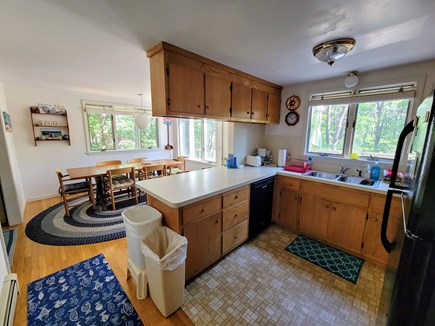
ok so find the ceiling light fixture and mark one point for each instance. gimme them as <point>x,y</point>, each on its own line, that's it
<point>142,120</point>
<point>333,50</point>
<point>351,79</point>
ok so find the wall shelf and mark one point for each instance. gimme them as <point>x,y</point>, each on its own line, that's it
<point>49,127</point>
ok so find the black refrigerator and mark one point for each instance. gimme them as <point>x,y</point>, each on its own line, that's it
<point>408,294</point>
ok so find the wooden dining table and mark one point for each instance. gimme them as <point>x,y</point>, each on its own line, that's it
<point>97,172</point>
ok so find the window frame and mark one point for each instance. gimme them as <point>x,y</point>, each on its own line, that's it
<point>113,110</point>
<point>403,91</point>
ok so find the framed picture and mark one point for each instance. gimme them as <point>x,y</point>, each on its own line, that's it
<point>51,134</point>
<point>7,119</point>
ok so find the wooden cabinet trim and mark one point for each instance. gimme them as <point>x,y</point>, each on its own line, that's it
<point>235,196</point>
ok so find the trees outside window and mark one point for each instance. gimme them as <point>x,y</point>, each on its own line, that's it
<point>368,129</point>
<point>117,131</point>
<point>197,139</point>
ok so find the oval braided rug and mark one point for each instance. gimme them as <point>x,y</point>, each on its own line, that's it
<point>84,226</point>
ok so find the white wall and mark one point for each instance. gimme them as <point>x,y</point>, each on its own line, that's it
<point>9,168</point>
<point>37,164</point>
<point>292,137</point>
<point>247,138</point>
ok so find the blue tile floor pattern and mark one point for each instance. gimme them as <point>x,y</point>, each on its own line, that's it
<point>333,260</point>
<point>87,293</point>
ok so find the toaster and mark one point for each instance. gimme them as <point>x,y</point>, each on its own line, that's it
<point>253,160</point>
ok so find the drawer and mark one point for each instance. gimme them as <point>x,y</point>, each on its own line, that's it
<point>286,182</point>
<point>234,237</point>
<point>235,196</point>
<point>197,211</point>
<point>235,214</point>
<point>378,204</point>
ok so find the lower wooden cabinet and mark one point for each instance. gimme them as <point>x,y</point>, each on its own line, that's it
<point>204,243</point>
<point>285,211</point>
<point>314,216</point>
<point>213,227</point>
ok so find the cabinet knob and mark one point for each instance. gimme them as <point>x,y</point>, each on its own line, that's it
<point>333,208</point>
<point>375,219</point>
<point>217,221</point>
<point>207,106</point>
<point>326,206</point>
<point>235,197</point>
<point>248,112</point>
<point>235,216</point>
<point>202,210</point>
<point>236,236</point>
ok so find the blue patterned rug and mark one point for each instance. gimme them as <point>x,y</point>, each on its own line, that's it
<point>10,237</point>
<point>84,226</point>
<point>87,293</point>
<point>329,258</point>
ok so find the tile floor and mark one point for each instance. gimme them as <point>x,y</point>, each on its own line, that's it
<point>261,283</point>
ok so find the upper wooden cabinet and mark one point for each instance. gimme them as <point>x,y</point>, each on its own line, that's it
<point>184,84</point>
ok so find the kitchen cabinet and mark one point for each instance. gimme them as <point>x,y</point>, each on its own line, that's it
<point>285,210</point>
<point>373,248</point>
<point>240,101</point>
<point>273,107</point>
<point>213,226</point>
<point>314,216</point>
<point>204,243</point>
<point>184,84</point>
<point>334,214</point>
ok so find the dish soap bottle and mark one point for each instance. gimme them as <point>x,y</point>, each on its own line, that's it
<point>375,172</point>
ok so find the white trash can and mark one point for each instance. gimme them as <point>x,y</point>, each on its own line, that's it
<point>165,257</point>
<point>139,222</point>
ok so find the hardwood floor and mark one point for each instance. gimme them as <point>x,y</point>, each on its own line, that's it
<point>33,261</point>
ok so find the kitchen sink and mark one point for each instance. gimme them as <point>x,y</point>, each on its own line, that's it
<point>342,178</point>
<point>322,175</point>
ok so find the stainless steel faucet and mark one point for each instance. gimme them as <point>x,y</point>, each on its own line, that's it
<point>343,169</point>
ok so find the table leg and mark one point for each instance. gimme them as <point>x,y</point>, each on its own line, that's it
<point>100,193</point>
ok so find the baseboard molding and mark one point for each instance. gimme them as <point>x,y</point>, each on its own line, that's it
<point>40,197</point>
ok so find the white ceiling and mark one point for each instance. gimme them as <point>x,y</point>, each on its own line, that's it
<point>98,46</point>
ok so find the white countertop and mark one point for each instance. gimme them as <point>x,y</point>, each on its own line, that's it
<point>186,188</point>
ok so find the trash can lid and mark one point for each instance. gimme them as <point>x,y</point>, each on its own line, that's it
<point>140,214</point>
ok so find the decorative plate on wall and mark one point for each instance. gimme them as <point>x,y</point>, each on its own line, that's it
<point>293,102</point>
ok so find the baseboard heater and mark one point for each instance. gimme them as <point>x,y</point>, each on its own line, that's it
<point>8,300</point>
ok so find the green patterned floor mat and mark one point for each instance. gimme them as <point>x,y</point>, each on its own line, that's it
<point>329,258</point>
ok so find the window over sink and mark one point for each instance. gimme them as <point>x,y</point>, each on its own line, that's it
<point>367,122</point>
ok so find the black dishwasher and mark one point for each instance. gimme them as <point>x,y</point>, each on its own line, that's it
<point>260,208</point>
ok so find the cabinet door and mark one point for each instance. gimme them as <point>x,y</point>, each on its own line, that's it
<point>288,208</point>
<point>217,96</point>
<point>314,215</point>
<point>273,108</point>
<point>373,247</point>
<point>259,105</point>
<point>346,226</point>
<point>204,244</point>
<point>186,90</point>
<point>240,101</point>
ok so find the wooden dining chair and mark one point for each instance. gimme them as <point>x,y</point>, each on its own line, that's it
<point>154,171</point>
<point>174,169</point>
<point>114,185</point>
<point>68,186</point>
<point>113,162</point>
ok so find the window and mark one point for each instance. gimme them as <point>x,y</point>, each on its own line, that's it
<point>366,125</point>
<point>114,129</point>
<point>197,139</point>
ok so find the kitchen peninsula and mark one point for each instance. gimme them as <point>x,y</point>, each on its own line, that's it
<point>211,208</point>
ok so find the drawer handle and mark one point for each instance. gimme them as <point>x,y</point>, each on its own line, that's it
<point>202,210</point>
<point>235,216</point>
<point>236,236</point>
<point>333,208</point>
<point>217,221</point>
<point>235,197</point>
<point>326,206</point>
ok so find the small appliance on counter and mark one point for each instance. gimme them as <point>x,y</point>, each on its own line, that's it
<point>253,160</point>
<point>266,157</point>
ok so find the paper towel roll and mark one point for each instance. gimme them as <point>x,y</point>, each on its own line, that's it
<point>282,154</point>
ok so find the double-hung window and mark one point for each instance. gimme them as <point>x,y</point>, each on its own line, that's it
<point>366,122</point>
<point>197,139</point>
<point>112,128</point>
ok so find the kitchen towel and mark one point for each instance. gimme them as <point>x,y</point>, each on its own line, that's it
<point>282,154</point>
